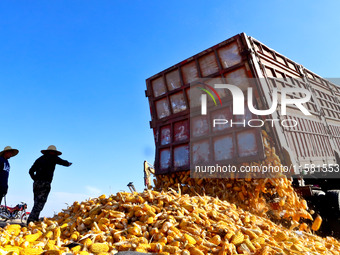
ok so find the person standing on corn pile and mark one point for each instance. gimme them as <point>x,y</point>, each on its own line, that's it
<point>7,153</point>
<point>42,174</point>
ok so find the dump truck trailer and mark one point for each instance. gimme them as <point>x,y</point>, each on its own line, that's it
<point>310,141</point>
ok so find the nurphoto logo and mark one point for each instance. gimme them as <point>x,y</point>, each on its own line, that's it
<point>238,106</point>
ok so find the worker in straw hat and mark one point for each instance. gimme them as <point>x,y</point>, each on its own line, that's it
<point>7,153</point>
<point>42,174</point>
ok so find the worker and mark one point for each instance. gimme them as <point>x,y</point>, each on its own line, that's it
<point>42,174</point>
<point>6,154</point>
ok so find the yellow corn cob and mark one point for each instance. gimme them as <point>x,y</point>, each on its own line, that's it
<point>134,230</point>
<point>139,249</point>
<point>144,246</point>
<point>156,247</point>
<point>170,249</point>
<point>31,251</point>
<point>87,242</point>
<point>74,237</point>
<point>165,227</point>
<point>189,238</point>
<point>246,219</point>
<point>99,247</point>
<point>53,252</point>
<point>229,235</point>
<point>176,243</point>
<point>76,249</point>
<point>13,229</point>
<point>125,247</point>
<point>12,226</point>
<point>88,221</point>
<point>195,251</point>
<point>237,238</point>
<point>241,196</point>
<point>164,253</point>
<point>17,241</point>
<point>296,247</point>
<point>56,232</point>
<point>264,251</point>
<point>249,245</point>
<point>102,197</point>
<point>163,239</point>
<point>280,236</point>
<point>193,231</point>
<point>243,249</point>
<point>9,248</point>
<point>215,240</point>
<point>169,239</point>
<point>104,221</point>
<point>259,240</point>
<point>150,220</point>
<point>317,223</point>
<point>282,202</point>
<point>49,234</point>
<point>33,237</point>
<point>199,181</point>
<point>185,252</point>
<point>24,244</point>
<point>250,233</point>
<point>65,225</point>
<point>50,246</point>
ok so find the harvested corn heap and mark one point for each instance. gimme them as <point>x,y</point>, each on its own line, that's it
<point>260,196</point>
<point>161,222</point>
<point>272,196</point>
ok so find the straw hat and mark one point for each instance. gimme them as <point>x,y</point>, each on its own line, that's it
<point>51,148</point>
<point>9,148</point>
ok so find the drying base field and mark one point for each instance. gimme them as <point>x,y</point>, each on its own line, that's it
<point>160,222</point>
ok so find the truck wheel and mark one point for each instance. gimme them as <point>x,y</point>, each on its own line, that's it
<point>317,200</point>
<point>333,198</point>
<point>318,193</point>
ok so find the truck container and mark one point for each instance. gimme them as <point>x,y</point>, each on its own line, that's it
<point>314,140</point>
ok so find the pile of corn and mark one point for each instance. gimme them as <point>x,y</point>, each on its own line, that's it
<point>160,222</point>
<point>267,196</point>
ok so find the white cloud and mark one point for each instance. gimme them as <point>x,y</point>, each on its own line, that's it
<point>93,191</point>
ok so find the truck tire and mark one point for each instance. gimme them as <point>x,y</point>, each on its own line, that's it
<point>333,199</point>
<point>318,193</point>
<point>317,201</point>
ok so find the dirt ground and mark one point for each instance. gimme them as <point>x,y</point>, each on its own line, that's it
<point>4,223</point>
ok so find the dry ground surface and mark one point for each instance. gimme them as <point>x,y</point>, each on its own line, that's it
<point>3,223</point>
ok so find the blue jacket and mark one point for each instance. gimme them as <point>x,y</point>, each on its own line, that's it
<point>4,173</point>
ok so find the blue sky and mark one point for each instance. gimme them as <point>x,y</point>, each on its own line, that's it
<point>72,74</point>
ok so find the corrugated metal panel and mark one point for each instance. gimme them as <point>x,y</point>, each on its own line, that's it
<point>335,131</point>
<point>335,124</point>
<point>326,95</point>
<point>310,140</point>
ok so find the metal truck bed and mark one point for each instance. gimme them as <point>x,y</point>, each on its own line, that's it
<point>180,131</point>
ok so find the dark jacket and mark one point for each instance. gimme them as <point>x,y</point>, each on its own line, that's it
<point>4,173</point>
<point>43,168</point>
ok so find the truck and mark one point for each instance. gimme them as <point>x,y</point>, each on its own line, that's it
<point>306,137</point>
